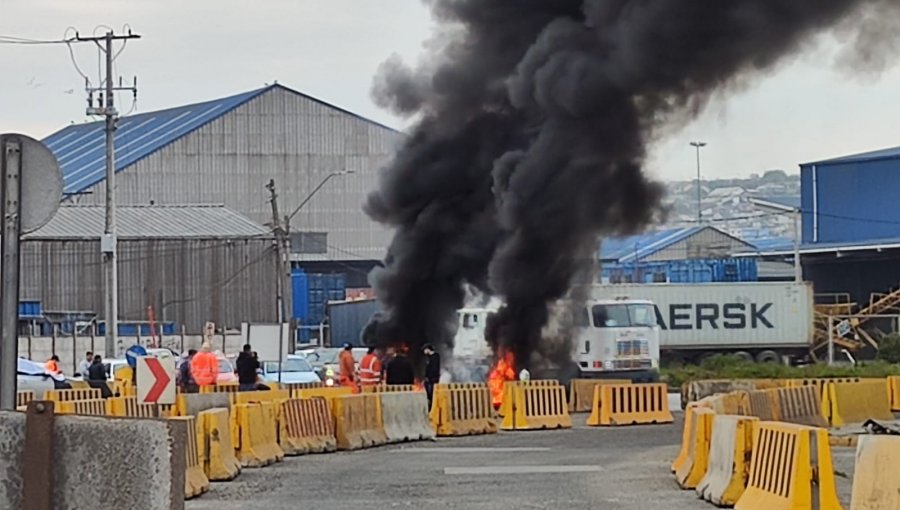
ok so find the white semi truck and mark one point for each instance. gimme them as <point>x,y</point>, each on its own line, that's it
<point>766,322</point>
<point>611,338</point>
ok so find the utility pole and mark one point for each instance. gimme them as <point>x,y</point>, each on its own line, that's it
<point>106,107</point>
<point>280,271</point>
<point>698,145</point>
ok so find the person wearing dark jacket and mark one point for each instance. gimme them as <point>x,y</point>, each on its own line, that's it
<point>247,365</point>
<point>400,370</point>
<point>432,371</point>
<point>96,377</point>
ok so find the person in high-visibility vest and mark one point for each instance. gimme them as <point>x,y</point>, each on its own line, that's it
<point>370,369</point>
<point>205,366</point>
<point>52,365</point>
<point>347,366</point>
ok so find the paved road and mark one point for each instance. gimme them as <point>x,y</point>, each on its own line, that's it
<point>583,468</point>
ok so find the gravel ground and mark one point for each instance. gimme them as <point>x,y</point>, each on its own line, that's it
<point>583,468</point>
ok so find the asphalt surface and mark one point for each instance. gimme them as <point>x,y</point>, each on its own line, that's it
<point>586,468</point>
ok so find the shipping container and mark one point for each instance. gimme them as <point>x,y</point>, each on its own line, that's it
<point>30,309</point>
<point>348,318</point>
<point>765,321</point>
<point>683,271</point>
<point>312,292</point>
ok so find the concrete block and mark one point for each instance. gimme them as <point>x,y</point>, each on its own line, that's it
<point>196,403</point>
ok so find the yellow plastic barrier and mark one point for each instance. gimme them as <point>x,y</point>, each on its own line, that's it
<point>358,422</point>
<point>801,405</point>
<point>306,426</point>
<point>23,398</point>
<point>581,392</point>
<point>686,434</point>
<point>693,391</point>
<point>734,403</point>
<point>535,405</point>
<point>790,469</point>
<point>856,402</point>
<point>73,394</point>
<point>820,382</point>
<point>729,460</point>
<point>251,432</point>
<point>630,404</point>
<point>390,388</point>
<point>215,446</point>
<point>246,397</point>
<point>893,383</point>
<point>129,407</point>
<point>690,473</point>
<point>328,393</point>
<point>195,480</point>
<point>220,388</point>
<point>94,407</point>
<point>764,405</point>
<point>875,482</point>
<point>462,410</point>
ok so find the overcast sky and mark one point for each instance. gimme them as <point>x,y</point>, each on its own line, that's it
<point>196,50</point>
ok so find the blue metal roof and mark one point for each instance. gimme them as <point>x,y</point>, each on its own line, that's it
<point>81,148</point>
<point>890,153</point>
<point>636,247</point>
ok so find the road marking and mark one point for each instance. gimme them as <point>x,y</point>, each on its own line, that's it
<point>469,449</point>
<point>519,470</point>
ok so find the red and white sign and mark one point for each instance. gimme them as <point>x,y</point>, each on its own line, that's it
<point>155,380</point>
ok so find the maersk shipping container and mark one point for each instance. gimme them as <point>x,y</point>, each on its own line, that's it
<point>346,320</point>
<point>761,320</point>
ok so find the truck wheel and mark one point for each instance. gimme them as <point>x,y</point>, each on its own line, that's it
<point>768,357</point>
<point>744,356</point>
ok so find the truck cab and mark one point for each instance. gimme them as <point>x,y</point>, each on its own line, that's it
<point>617,339</point>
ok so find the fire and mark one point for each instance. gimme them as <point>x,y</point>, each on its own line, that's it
<point>419,385</point>
<point>504,369</point>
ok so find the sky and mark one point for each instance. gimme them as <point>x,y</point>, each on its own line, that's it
<point>190,51</point>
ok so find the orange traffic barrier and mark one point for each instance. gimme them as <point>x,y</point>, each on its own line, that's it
<point>462,410</point>
<point>630,404</point>
<point>581,392</point>
<point>535,405</point>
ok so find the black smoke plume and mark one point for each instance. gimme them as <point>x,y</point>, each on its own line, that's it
<point>533,119</point>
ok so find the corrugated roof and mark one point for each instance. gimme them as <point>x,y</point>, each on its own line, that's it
<point>781,202</point>
<point>81,148</point>
<point>890,153</point>
<point>151,222</point>
<point>628,248</point>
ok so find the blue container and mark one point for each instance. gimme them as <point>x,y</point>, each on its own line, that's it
<point>30,309</point>
<point>684,271</point>
<point>312,292</point>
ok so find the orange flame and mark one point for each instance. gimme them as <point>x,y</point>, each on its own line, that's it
<point>504,369</point>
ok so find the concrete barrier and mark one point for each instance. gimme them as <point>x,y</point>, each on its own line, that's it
<point>405,416</point>
<point>734,403</point>
<point>215,447</point>
<point>791,468</point>
<point>358,422</point>
<point>462,410</point>
<point>581,392</point>
<point>192,404</point>
<point>535,405</point>
<point>139,462</point>
<point>195,480</point>
<point>630,404</point>
<point>693,391</point>
<point>306,426</point>
<point>690,473</point>
<point>729,460</point>
<point>801,405</point>
<point>254,444</point>
<point>856,402</point>
<point>876,485</point>
<point>247,397</point>
<point>764,405</point>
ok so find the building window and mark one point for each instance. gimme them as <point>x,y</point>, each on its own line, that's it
<point>309,242</point>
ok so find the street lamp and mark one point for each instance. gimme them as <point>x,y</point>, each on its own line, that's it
<point>698,145</point>
<point>287,219</point>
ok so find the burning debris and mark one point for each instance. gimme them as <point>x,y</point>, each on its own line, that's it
<point>533,121</point>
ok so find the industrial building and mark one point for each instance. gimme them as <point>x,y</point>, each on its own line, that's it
<point>179,265</point>
<point>227,150</point>
<point>323,160</point>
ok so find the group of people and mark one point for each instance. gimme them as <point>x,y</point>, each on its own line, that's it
<point>201,368</point>
<point>390,367</point>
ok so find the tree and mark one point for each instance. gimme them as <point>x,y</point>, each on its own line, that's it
<point>889,348</point>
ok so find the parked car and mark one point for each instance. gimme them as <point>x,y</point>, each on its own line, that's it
<point>32,376</point>
<point>326,358</point>
<point>226,371</point>
<point>114,365</point>
<point>293,370</point>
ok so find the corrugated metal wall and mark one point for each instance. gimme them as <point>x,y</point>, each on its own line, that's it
<point>851,201</point>
<point>186,281</point>
<point>706,244</point>
<point>283,136</point>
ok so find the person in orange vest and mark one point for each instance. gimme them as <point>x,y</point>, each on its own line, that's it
<point>370,369</point>
<point>205,367</point>
<point>52,365</point>
<point>347,366</point>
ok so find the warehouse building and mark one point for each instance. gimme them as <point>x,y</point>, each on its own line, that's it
<point>227,150</point>
<point>180,265</point>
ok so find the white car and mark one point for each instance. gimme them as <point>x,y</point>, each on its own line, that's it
<point>32,376</point>
<point>295,370</point>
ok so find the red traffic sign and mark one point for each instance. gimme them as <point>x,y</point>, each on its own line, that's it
<point>155,380</point>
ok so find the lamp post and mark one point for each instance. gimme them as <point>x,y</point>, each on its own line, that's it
<point>698,145</point>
